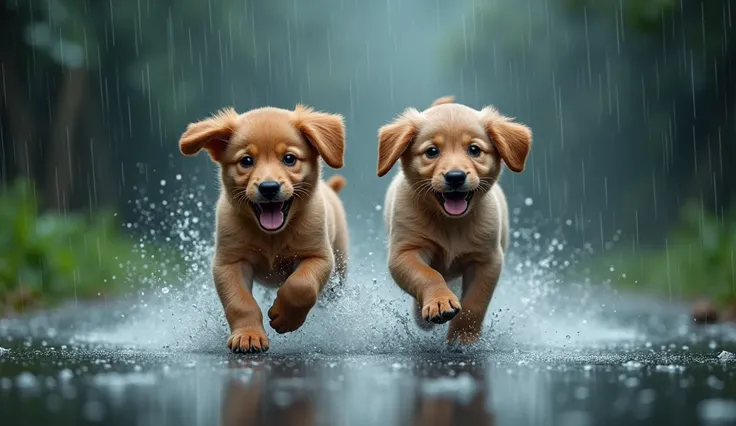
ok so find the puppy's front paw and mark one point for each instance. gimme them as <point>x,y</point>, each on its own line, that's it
<point>291,307</point>
<point>441,307</point>
<point>248,340</point>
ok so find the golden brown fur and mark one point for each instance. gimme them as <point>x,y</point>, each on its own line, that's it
<point>311,241</point>
<point>431,243</point>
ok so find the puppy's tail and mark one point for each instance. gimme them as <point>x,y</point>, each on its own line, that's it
<point>337,183</point>
<point>443,100</point>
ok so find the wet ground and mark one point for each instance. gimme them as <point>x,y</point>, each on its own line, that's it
<point>664,372</point>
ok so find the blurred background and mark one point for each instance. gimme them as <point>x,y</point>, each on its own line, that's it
<point>631,103</point>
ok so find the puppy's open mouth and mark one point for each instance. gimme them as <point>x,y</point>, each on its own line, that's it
<point>455,203</point>
<point>272,215</point>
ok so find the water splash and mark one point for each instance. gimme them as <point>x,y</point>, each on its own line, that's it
<point>179,309</point>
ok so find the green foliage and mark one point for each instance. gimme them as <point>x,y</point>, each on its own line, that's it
<point>46,257</point>
<point>699,259</point>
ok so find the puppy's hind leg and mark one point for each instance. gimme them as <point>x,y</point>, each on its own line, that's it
<point>339,277</point>
<point>336,285</point>
<point>479,283</point>
<point>341,257</point>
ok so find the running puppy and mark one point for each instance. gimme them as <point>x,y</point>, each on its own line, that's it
<point>277,223</point>
<point>445,214</point>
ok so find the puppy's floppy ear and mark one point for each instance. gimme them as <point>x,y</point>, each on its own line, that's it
<point>212,134</point>
<point>326,132</point>
<point>394,138</point>
<point>512,140</point>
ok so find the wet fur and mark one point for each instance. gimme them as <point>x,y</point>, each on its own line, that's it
<point>310,246</point>
<point>427,247</point>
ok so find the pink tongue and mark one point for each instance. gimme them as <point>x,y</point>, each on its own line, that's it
<point>455,206</point>
<point>271,216</point>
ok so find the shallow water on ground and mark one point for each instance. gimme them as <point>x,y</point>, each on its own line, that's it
<point>653,368</point>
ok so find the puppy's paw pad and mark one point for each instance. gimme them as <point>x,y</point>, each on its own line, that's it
<point>286,317</point>
<point>441,309</point>
<point>248,340</point>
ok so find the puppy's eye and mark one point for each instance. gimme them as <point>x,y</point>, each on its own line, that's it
<point>474,150</point>
<point>432,152</point>
<point>247,161</point>
<point>289,159</point>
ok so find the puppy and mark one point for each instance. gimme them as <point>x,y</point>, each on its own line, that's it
<point>445,213</point>
<point>277,222</point>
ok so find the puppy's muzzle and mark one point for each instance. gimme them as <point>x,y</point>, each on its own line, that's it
<point>455,199</point>
<point>455,179</point>
<point>269,189</point>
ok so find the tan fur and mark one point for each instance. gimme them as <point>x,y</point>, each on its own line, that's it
<point>427,247</point>
<point>337,183</point>
<point>312,243</point>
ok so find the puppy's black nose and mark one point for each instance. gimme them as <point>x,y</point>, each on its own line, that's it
<point>269,189</point>
<point>455,178</point>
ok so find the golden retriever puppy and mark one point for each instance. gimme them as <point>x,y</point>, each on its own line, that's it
<point>445,213</point>
<point>277,222</point>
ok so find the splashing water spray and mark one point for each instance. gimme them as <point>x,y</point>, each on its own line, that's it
<point>176,306</point>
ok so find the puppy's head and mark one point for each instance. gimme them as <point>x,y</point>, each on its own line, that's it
<point>269,156</point>
<point>451,153</point>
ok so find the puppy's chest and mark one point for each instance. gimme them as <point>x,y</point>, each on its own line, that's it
<point>455,250</point>
<point>272,267</point>
<point>450,260</point>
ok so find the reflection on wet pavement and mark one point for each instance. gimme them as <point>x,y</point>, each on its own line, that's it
<point>684,385</point>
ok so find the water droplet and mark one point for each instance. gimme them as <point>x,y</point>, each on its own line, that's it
<point>528,201</point>
<point>165,290</point>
